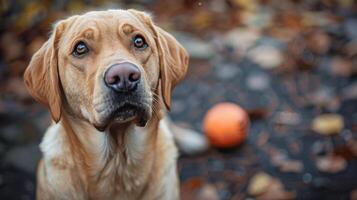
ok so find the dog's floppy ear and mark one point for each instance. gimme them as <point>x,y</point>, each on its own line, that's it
<point>173,63</point>
<point>173,58</point>
<point>41,76</point>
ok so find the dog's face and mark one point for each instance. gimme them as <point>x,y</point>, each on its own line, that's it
<point>106,67</point>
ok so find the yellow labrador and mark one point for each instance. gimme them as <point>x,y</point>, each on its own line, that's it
<point>106,77</point>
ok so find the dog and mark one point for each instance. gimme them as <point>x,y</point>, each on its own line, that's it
<point>107,78</point>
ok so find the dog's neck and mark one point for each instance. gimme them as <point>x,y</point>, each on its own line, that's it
<point>116,156</point>
<point>125,140</point>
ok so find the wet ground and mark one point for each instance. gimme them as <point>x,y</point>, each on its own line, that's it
<point>229,170</point>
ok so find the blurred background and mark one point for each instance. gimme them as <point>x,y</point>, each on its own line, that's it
<point>290,64</point>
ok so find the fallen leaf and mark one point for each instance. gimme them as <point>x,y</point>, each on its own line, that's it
<point>259,184</point>
<point>331,164</point>
<point>208,192</point>
<point>328,124</point>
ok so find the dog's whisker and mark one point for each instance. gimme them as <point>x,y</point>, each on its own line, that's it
<point>155,105</point>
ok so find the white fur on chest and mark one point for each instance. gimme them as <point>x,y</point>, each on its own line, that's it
<point>54,144</point>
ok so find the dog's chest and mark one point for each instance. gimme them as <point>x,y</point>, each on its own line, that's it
<point>121,177</point>
<point>114,173</point>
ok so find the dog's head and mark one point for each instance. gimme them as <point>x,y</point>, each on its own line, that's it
<point>106,67</point>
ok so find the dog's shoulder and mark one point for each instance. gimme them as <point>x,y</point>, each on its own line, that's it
<point>56,173</point>
<point>55,148</point>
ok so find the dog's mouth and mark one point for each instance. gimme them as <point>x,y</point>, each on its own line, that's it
<point>127,113</point>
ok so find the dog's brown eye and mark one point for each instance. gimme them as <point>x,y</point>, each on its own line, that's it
<point>80,49</point>
<point>139,42</point>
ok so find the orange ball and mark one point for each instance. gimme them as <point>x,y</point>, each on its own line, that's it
<point>226,125</point>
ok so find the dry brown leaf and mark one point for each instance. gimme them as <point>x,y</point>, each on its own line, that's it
<point>331,164</point>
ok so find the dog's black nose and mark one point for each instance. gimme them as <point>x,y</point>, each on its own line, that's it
<point>123,77</point>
